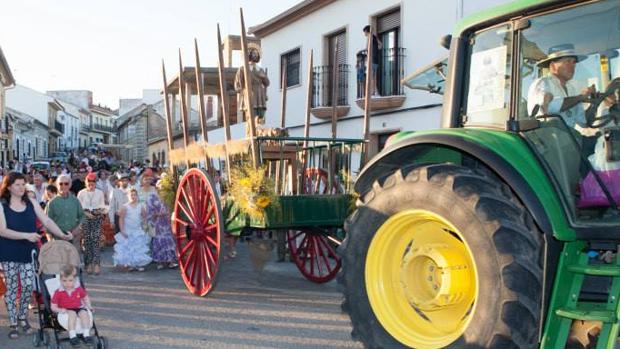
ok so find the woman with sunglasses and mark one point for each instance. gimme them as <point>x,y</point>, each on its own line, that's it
<point>18,238</point>
<point>93,203</point>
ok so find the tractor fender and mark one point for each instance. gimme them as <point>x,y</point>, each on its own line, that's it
<point>404,152</point>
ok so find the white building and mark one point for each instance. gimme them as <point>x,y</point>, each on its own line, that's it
<point>30,136</point>
<point>6,81</point>
<point>41,108</point>
<point>410,32</point>
<point>70,117</point>
<point>102,125</point>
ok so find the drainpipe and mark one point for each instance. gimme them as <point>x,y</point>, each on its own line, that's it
<point>459,9</point>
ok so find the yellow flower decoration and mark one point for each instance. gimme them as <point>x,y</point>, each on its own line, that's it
<point>252,190</point>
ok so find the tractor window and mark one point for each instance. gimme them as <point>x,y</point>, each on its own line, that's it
<point>488,82</point>
<point>569,80</point>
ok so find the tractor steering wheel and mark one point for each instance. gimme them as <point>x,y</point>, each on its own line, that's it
<point>595,101</point>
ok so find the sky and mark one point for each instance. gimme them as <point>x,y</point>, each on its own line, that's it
<point>114,48</point>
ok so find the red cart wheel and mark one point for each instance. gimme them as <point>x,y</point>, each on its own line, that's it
<point>197,226</point>
<point>316,182</point>
<point>314,254</point>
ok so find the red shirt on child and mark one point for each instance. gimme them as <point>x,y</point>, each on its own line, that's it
<point>63,299</point>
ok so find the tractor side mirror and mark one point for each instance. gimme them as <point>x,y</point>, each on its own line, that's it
<point>445,41</point>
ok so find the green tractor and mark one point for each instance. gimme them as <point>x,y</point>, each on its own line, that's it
<point>500,230</point>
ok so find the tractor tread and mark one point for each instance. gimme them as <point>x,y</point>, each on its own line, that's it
<point>517,241</point>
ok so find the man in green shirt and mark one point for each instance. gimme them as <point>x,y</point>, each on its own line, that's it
<point>65,210</point>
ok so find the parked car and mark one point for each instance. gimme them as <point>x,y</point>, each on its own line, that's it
<point>59,156</point>
<point>41,166</point>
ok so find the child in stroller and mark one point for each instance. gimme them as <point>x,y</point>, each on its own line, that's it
<point>72,299</point>
<point>59,272</point>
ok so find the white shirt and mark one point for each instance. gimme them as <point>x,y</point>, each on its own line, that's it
<point>118,197</point>
<point>551,84</point>
<point>39,193</point>
<point>91,200</point>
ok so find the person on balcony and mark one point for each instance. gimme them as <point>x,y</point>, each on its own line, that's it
<point>377,45</point>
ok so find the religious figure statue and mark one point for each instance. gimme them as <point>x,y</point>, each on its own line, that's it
<point>259,84</point>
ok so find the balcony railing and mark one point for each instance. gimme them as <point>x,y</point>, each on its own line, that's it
<point>390,72</point>
<point>104,128</point>
<point>322,89</point>
<point>59,127</point>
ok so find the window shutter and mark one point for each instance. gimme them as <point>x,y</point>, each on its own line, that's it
<point>388,21</point>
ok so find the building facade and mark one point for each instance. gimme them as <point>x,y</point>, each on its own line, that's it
<point>33,111</point>
<point>102,125</point>
<point>70,118</point>
<point>409,32</point>
<point>6,81</point>
<point>30,137</point>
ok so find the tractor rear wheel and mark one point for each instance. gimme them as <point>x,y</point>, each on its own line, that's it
<point>442,256</point>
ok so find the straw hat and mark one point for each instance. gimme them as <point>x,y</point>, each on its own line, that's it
<point>560,51</point>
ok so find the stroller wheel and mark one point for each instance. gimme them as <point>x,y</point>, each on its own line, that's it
<point>102,343</point>
<point>40,337</point>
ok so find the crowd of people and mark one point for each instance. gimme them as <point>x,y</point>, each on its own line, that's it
<point>84,202</point>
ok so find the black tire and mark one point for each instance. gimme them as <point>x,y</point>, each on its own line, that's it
<point>506,246</point>
<point>101,343</point>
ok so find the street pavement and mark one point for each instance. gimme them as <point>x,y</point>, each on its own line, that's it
<point>276,308</point>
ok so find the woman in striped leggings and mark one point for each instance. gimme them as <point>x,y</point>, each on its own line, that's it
<point>18,236</point>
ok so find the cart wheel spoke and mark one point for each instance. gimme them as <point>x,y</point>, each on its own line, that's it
<point>313,255</point>
<point>186,248</point>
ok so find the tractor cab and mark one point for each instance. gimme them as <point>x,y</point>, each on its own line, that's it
<point>554,77</point>
<point>502,228</point>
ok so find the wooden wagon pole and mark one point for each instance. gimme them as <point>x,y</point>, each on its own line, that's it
<point>367,105</point>
<point>335,92</point>
<point>247,77</point>
<point>283,104</point>
<point>307,120</point>
<point>183,103</point>
<point>280,168</point>
<point>201,105</point>
<point>169,134</point>
<point>223,99</point>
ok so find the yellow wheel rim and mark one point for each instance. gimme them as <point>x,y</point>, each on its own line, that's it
<point>421,279</point>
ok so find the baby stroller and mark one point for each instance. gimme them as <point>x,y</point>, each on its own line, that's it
<point>52,257</point>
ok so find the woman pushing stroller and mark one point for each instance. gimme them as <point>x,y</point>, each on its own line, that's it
<point>18,238</point>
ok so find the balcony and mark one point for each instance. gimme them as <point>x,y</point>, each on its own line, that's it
<point>58,130</point>
<point>104,128</point>
<point>322,91</point>
<point>390,93</point>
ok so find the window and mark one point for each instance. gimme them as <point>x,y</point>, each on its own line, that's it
<point>291,61</point>
<point>391,56</point>
<point>488,83</point>
<point>562,54</point>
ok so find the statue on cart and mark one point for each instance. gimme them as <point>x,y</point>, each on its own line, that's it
<point>259,84</point>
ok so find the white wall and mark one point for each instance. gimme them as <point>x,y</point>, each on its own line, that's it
<point>81,98</point>
<point>29,101</point>
<point>423,23</point>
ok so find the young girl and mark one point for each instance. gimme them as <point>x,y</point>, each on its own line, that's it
<point>74,302</point>
<point>132,243</point>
